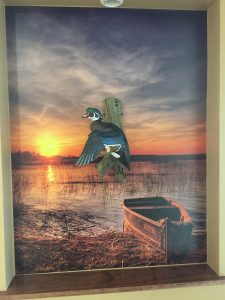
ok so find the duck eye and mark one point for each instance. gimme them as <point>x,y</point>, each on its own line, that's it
<point>91,115</point>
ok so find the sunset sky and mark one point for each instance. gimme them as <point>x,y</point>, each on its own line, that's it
<point>64,60</point>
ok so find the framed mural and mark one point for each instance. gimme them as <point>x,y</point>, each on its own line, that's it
<point>64,61</point>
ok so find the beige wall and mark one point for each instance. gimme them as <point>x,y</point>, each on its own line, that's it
<point>222,138</point>
<point>216,170</point>
<point>165,4</point>
<point>6,227</point>
<point>216,138</point>
<point>213,106</point>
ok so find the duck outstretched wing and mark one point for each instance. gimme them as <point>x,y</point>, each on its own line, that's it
<point>92,148</point>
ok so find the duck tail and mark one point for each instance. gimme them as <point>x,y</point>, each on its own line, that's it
<point>123,159</point>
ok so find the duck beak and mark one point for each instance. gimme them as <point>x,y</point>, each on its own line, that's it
<point>85,116</point>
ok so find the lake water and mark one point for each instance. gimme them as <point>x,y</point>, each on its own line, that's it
<point>57,188</point>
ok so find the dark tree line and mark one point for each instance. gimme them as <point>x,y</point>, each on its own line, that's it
<point>25,157</point>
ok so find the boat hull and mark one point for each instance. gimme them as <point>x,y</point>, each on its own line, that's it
<point>170,237</point>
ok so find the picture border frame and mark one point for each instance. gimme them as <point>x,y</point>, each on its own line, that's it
<point>215,129</point>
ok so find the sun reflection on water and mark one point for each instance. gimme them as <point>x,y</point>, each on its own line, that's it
<point>50,174</point>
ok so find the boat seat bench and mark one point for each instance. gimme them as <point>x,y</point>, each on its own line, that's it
<point>158,213</point>
<point>153,207</point>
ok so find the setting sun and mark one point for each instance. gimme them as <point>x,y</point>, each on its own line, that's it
<point>48,145</point>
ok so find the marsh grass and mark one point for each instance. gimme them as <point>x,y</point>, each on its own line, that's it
<point>112,250</point>
<point>61,241</point>
<point>68,218</point>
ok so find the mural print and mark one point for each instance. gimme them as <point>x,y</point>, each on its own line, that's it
<point>65,60</point>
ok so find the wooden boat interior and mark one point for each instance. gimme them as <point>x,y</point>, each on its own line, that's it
<point>154,208</point>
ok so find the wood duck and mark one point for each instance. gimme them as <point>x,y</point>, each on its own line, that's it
<point>105,138</point>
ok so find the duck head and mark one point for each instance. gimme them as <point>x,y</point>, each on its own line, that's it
<point>93,113</point>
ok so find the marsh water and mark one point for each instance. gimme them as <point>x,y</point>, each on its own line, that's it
<point>54,189</point>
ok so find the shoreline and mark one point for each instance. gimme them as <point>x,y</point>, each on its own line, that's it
<point>45,243</point>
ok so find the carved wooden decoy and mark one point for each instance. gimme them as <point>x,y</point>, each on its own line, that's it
<point>105,138</point>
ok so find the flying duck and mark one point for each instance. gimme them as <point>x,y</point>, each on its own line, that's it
<point>105,138</point>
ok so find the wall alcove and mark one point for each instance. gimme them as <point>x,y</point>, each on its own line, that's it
<point>103,281</point>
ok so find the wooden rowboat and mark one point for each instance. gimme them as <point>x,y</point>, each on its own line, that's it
<point>165,224</point>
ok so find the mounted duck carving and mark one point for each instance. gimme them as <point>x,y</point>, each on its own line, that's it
<point>107,141</point>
